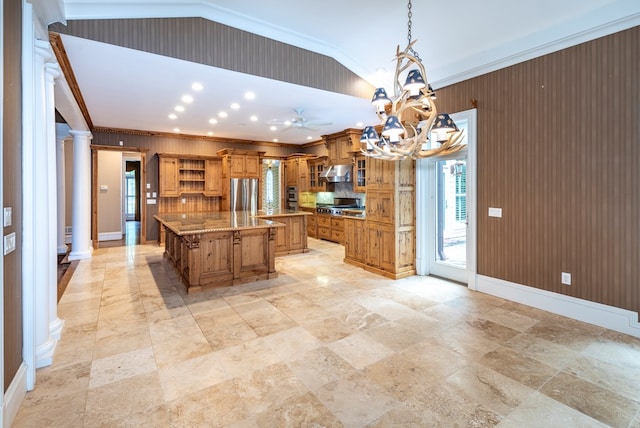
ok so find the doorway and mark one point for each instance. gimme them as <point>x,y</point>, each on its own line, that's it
<point>131,196</point>
<point>446,198</point>
<point>132,232</point>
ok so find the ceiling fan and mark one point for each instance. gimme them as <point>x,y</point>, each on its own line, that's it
<point>299,121</point>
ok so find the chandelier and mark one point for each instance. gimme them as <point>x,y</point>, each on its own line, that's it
<point>410,124</point>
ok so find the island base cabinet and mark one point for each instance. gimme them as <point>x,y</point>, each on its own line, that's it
<point>222,258</point>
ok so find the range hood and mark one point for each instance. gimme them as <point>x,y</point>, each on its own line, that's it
<point>336,174</point>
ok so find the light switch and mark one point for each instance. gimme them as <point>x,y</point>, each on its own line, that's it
<point>104,187</point>
<point>9,243</point>
<point>151,201</point>
<point>148,185</point>
<point>153,195</point>
<point>495,212</point>
<point>148,195</point>
<point>7,216</point>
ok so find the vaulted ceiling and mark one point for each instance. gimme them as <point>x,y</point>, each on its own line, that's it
<point>323,58</point>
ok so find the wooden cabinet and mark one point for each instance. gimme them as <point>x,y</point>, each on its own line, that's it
<point>341,146</point>
<point>324,226</point>
<point>297,172</point>
<point>389,228</point>
<point>360,177</point>
<point>241,163</point>
<point>315,168</point>
<point>355,242</point>
<point>337,230</point>
<point>293,237</point>
<point>213,177</point>
<point>381,247</point>
<point>244,166</point>
<point>183,175</point>
<point>168,177</point>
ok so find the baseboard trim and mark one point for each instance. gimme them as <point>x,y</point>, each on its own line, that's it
<point>110,236</point>
<point>621,320</point>
<point>14,396</point>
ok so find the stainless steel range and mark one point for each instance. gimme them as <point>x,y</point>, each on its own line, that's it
<point>338,206</point>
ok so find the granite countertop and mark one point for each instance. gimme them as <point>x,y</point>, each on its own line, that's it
<point>207,222</point>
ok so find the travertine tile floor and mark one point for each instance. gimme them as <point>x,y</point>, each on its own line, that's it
<point>324,344</point>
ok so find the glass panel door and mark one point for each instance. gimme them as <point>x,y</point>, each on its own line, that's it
<point>130,195</point>
<point>451,212</point>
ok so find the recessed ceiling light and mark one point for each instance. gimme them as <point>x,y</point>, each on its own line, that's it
<point>309,137</point>
<point>253,118</point>
<point>187,99</point>
<point>273,128</point>
<point>178,108</point>
<point>287,123</point>
<point>223,114</point>
<point>209,133</point>
<point>176,129</point>
<point>172,116</point>
<point>235,106</point>
<point>359,124</point>
<point>275,140</point>
<point>213,121</point>
<point>249,95</point>
<point>197,86</point>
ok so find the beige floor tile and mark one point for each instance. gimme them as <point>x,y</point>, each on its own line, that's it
<point>592,400</point>
<point>323,344</point>
<point>444,405</point>
<point>173,351</point>
<point>118,400</point>
<point>189,376</point>
<point>540,410</point>
<point>319,367</point>
<point>64,411</point>
<point>490,388</point>
<point>355,400</point>
<point>545,351</point>
<point>122,366</point>
<point>301,411</point>
<point>518,367</point>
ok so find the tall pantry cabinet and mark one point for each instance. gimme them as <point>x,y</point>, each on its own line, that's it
<point>390,218</point>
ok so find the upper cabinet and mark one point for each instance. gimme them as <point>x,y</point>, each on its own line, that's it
<point>240,163</point>
<point>184,174</point>
<point>297,171</point>
<point>360,174</point>
<point>316,166</point>
<point>341,146</point>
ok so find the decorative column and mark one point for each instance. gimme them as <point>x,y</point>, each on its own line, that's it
<point>45,344</point>
<point>62,197</point>
<point>52,72</point>
<point>81,197</point>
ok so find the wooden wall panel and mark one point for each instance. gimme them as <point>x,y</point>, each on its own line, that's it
<point>206,42</point>
<point>12,184</point>
<point>559,152</point>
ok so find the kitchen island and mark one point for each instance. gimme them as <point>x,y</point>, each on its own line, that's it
<point>292,238</point>
<point>210,249</point>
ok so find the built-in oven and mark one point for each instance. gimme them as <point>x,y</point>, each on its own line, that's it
<point>292,198</point>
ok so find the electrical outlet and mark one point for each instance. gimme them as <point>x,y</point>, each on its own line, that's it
<point>566,278</point>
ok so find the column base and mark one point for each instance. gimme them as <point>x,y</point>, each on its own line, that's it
<point>44,353</point>
<point>55,328</point>
<point>79,255</point>
<point>63,249</point>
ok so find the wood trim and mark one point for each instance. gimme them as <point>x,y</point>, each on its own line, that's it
<point>69,75</point>
<point>94,198</point>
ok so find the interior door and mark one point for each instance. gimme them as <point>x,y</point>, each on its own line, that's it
<point>446,210</point>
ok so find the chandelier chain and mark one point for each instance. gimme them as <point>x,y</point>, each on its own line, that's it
<point>409,37</point>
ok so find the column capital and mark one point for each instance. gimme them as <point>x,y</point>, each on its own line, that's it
<point>52,70</point>
<point>77,133</point>
<point>42,48</point>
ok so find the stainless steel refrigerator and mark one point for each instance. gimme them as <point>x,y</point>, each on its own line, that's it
<point>244,195</point>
